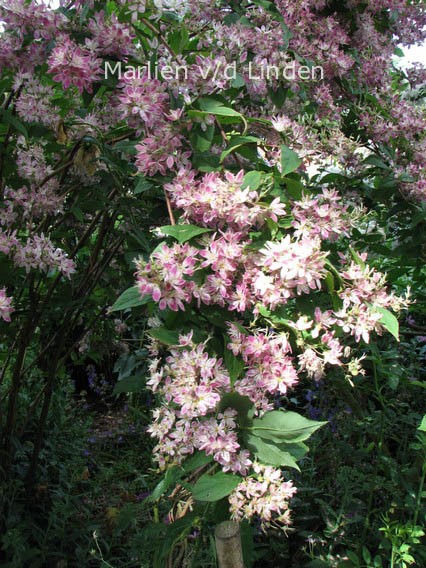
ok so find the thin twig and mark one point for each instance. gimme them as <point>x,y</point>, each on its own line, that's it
<point>160,35</point>
<point>53,174</point>
<point>169,208</point>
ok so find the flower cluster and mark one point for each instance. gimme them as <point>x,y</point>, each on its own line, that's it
<point>236,278</point>
<point>31,163</point>
<point>321,215</point>
<point>217,202</point>
<point>40,253</point>
<point>34,202</point>
<point>110,36</point>
<point>363,296</point>
<point>290,266</point>
<point>73,65</point>
<point>34,103</point>
<point>194,382</point>
<point>5,306</point>
<point>143,102</point>
<point>161,151</point>
<point>270,369</point>
<point>266,495</point>
<point>37,17</point>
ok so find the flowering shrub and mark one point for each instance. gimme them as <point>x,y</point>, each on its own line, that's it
<point>210,404</point>
<point>277,134</point>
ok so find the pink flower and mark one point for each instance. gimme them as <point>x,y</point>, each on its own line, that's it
<point>143,102</point>
<point>72,65</point>
<point>111,36</point>
<point>5,305</point>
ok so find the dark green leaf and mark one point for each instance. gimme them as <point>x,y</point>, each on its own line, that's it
<point>183,233</point>
<point>233,364</point>
<point>201,139</point>
<point>237,142</point>
<point>388,321</point>
<point>214,487</point>
<point>126,146</point>
<point>295,188</point>
<point>269,453</point>
<point>130,384</point>
<point>165,335</point>
<point>142,185</point>
<point>290,161</point>
<point>197,460</point>
<point>211,106</point>
<point>8,118</point>
<point>242,404</point>
<point>238,81</point>
<point>284,426</point>
<point>130,299</point>
<point>252,180</point>
<point>171,476</point>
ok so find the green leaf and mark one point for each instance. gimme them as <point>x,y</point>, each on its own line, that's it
<point>215,487</point>
<point>142,185</point>
<point>264,311</point>
<point>329,281</point>
<point>78,213</point>
<point>171,476</point>
<point>183,233</point>
<point>212,106</point>
<point>422,426</point>
<point>252,180</point>
<point>84,12</point>
<point>284,426</point>
<point>366,555</point>
<point>375,161</point>
<point>237,142</point>
<point>269,6</point>
<point>217,108</point>
<point>130,384</point>
<point>357,258</point>
<point>388,321</point>
<point>165,335</point>
<point>418,384</point>
<point>353,558</point>
<point>233,365</point>
<point>178,40</point>
<point>202,139</point>
<point>8,118</point>
<point>238,82</point>
<point>242,404</point>
<point>270,454</point>
<point>290,161</point>
<point>295,188</point>
<point>205,162</point>
<point>130,299</point>
<point>247,541</point>
<point>126,146</point>
<point>197,460</point>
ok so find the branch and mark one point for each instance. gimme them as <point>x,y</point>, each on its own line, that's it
<point>160,35</point>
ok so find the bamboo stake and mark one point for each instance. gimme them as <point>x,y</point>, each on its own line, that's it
<point>228,545</point>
